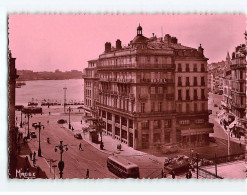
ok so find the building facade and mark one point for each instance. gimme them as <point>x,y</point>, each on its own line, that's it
<point>238,81</point>
<point>152,92</point>
<point>13,130</point>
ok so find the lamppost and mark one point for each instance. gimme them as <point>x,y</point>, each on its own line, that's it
<point>21,120</point>
<point>28,115</point>
<point>61,147</point>
<point>39,126</point>
<point>69,116</point>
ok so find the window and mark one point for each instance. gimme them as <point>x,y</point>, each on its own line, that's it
<point>145,125</point>
<point>152,106</point>
<point>179,94</point>
<point>199,121</point>
<point>179,68</point>
<point>157,124</point>
<point>160,107</point>
<point>168,123</point>
<point>202,94</point>
<point>109,116</point>
<point>195,107</point>
<point>157,137</point>
<point>202,68</point>
<point>195,94</point>
<point>187,67</point>
<point>184,122</point>
<point>187,94</point>
<point>179,81</point>
<point>117,119</point>
<point>187,107</point>
<point>160,90</point>
<point>195,68</point>
<point>180,108</point>
<point>202,81</point>
<point>187,81</point>
<point>167,137</point>
<point>195,81</point>
<point>142,107</point>
<point>152,90</point>
<point>203,106</point>
<point>124,121</point>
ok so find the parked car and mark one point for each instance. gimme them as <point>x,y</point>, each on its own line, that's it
<point>61,121</point>
<point>33,135</point>
<point>177,164</point>
<point>78,136</point>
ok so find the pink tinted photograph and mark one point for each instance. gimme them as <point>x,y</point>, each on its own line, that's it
<point>127,96</point>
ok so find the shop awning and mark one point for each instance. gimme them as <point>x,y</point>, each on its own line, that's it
<point>196,131</point>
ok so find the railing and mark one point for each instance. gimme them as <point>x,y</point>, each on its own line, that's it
<point>229,158</point>
<point>206,174</point>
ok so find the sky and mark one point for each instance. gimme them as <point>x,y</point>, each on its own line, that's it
<point>48,42</point>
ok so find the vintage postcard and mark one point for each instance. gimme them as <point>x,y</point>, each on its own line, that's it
<point>127,96</point>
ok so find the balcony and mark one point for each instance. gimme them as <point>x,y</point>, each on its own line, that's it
<point>143,97</point>
<point>187,84</point>
<point>239,106</point>
<point>195,84</point>
<point>203,84</point>
<point>158,81</point>
<point>179,84</point>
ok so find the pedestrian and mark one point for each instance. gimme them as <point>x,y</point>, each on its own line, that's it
<point>80,148</point>
<point>240,144</point>
<point>87,174</point>
<point>26,158</point>
<point>34,155</point>
<point>190,174</point>
<point>47,121</point>
<point>173,175</point>
<point>162,173</point>
<point>49,113</point>
<point>187,175</point>
<point>38,169</point>
<point>81,121</point>
<point>34,162</point>
<point>30,155</point>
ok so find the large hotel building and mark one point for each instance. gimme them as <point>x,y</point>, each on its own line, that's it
<point>150,93</point>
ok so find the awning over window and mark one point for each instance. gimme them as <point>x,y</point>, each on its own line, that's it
<point>196,131</point>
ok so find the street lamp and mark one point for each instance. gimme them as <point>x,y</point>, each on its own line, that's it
<point>39,126</point>
<point>61,147</point>
<point>28,115</point>
<point>21,119</point>
<point>69,116</point>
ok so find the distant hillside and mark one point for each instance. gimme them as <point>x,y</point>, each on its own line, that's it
<point>27,75</point>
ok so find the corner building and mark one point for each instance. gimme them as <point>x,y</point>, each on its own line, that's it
<point>146,92</point>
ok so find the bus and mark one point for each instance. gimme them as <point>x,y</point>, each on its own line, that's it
<point>122,167</point>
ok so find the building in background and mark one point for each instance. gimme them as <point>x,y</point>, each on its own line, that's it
<point>13,130</point>
<point>238,88</point>
<point>150,93</point>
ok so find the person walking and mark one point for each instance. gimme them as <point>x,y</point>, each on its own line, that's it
<point>26,159</point>
<point>240,145</point>
<point>30,155</point>
<point>34,155</point>
<point>87,174</point>
<point>80,148</point>
<point>173,175</point>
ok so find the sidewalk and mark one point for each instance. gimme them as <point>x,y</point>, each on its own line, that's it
<point>41,162</point>
<point>110,145</point>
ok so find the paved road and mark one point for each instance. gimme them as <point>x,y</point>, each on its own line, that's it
<point>76,161</point>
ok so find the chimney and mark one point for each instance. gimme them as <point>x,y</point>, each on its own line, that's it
<point>167,39</point>
<point>174,40</point>
<point>107,47</point>
<point>118,44</point>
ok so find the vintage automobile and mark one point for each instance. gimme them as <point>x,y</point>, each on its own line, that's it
<point>78,136</point>
<point>178,164</point>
